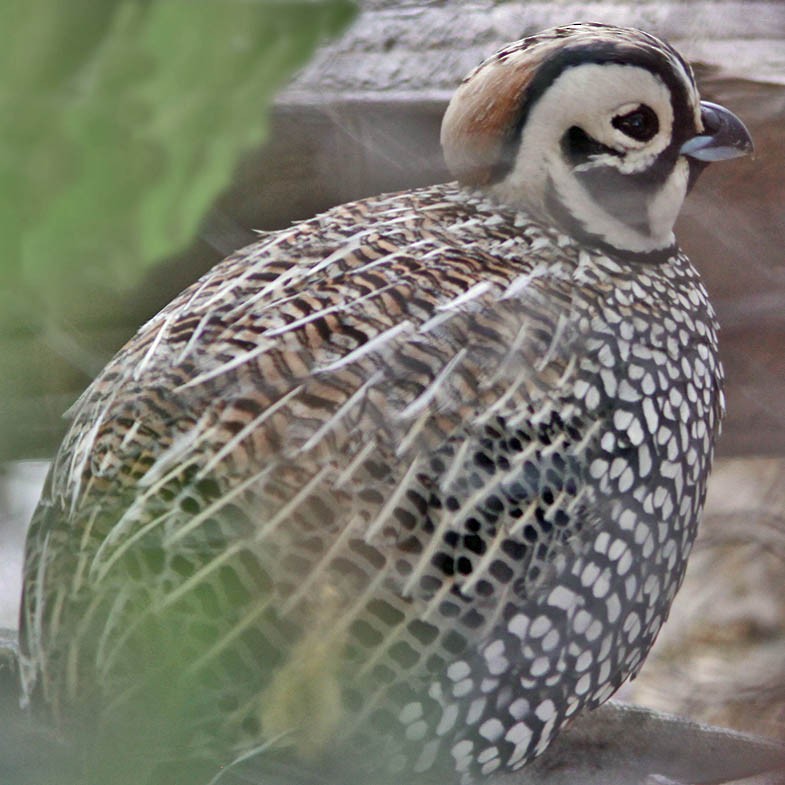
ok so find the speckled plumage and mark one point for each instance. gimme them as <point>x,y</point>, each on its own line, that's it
<point>418,476</point>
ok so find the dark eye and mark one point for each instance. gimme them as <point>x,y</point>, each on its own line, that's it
<point>640,124</point>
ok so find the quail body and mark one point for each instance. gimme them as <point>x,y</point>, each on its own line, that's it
<point>413,482</point>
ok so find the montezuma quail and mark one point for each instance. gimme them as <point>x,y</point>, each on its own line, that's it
<point>406,486</point>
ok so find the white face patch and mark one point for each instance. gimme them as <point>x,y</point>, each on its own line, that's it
<point>589,97</point>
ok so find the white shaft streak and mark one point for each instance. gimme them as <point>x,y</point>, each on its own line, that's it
<point>247,430</point>
<point>413,432</point>
<point>197,577</point>
<point>456,466</point>
<point>236,630</point>
<point>349,306</point>
<point>99,567</point>
<point>318,571</point>
<point>521,282</point>
<point>505,532</point>
<point>392,501</point>
<point>388,257</point>
<point>224,556</point>
<point>504,368</point>
<point>341,412</point>
<point>273,332</point>
<point>394,635</point>
<point>203,284</point>
<point>186,528</point>
<point>240,359</point>
<point>372,345</point>
<point>431,391</point>
<point>173,457</point>
<point>436,321</point>
<point>224,292</point>
<point>270,526</point>
<point>347,474</point>
<point>502,400</point>
<point>357,241</point>
<point>348,615</point>
<point>288,276</point>
<point>194,338</point>
<point>159,336</point>
<point>34,611</point>
<point>472,293</point>
<point>480,569</point>
<point>153,481</point>
<point>84,549</point>
<point>130,434</point>
<point>561,324</point>
<point>137,507</point>
<point>81,454</point>
<point>104,659</point>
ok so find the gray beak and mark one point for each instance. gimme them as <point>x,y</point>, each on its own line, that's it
<point>724,136</point>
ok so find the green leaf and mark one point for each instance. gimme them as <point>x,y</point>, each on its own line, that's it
<point>120,123</point>
<point>124,119</point>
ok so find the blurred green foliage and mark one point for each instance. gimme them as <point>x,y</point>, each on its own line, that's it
<point>123,119</point>
<point>120,123</point>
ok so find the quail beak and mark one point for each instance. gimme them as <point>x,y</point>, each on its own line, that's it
<point>724,136</point>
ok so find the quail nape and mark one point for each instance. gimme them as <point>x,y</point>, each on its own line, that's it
<point>408,485</point>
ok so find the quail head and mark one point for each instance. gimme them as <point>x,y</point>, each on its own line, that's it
<point>401,489</point>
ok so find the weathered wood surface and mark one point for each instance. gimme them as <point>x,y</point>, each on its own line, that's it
<point>619,744</point>
<point>417,50</point>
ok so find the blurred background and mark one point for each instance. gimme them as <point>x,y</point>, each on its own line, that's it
<point>143,140</point>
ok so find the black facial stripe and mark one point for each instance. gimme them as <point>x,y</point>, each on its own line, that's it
<point>624,196</point>
<point>578,147</point>
<point>696,167</point>
<point>576,229</point>
<point>599,53</point>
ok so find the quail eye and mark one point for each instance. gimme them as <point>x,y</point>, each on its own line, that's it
<point>640,124</point>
